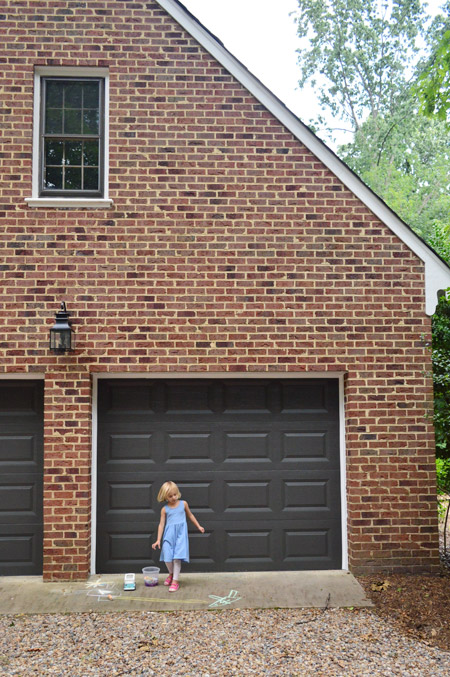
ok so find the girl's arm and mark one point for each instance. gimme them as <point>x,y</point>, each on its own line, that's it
<point>192,518</point>
<point>162,521</point>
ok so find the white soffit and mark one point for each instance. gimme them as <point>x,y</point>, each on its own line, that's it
<point>437,273</point>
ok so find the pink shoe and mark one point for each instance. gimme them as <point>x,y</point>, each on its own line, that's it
<point>168,580</point>
<point>174,587</point>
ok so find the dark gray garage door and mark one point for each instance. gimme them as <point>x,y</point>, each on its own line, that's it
<point>21,454</point>
<point>257,461</point>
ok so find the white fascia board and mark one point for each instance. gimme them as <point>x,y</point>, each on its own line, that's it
<point>437,273</point>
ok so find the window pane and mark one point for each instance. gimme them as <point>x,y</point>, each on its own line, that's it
<point>90,153</point>
<point>71,135</point>
<point>90,121</point>
<point>72,121</point>
<point>53,121</point>
<point>73,95</point>
<point>54,92</point>
<point>54,152</point>
<point>53,177</point>
<point>90,95</point>
<point>73,178</point>
<point>91,179</point>
<point>73,153</point>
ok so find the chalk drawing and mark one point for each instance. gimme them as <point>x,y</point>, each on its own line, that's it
<point>224,601</point>
<point>105,592</point>
<point>159,599</point>
<point>95,584</point>
<point>96,588</point>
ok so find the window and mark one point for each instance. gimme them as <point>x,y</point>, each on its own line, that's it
<point>70,138</point>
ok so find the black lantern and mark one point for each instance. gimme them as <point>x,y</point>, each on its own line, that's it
<point>62,338</point>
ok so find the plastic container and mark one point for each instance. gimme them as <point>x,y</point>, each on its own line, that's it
<point>150,576</point>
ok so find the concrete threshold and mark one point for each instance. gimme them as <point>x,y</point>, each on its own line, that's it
<point>209,591</point>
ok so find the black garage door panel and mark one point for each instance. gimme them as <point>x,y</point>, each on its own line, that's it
<point>20,550</point>
<point>257,461</point>
<point>307,495</point>
<point>21,467</point>
<point>252,546</point>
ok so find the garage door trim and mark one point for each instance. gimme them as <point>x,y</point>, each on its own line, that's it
<point>339,376</point>
<point>28,525</point>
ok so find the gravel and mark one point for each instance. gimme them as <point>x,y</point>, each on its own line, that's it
<point>300,642</point>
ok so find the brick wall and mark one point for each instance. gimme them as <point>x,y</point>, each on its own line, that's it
<point>67,473</point>
<point>229,247</point>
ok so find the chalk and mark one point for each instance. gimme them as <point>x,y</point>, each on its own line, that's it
<point>166,601</point>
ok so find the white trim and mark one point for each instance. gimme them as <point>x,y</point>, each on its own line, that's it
<point>219,375</point>
<point>68,71</point>
<point>106,139</point>
<point>343,472</point>
<point>22,377</point>
<point>72,71</point>
<point>94,474</point>
<point>61,202</point>
<point>437,273</point>
<point>36,118</point>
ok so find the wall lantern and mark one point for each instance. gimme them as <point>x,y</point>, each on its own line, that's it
<point>62,338</point>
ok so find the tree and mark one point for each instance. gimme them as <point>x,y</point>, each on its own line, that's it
<point>440,350</point>
<point>405,159</point>
<point>365,52</point>
<point>441,376</point>
<point>363,49</point>
<point>433,85</point>
<point>440,240</point>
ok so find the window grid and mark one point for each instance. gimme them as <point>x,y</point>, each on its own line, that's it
<point>61,173</point>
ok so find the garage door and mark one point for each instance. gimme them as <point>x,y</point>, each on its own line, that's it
<point>257,461</point>
<point>21,454</point>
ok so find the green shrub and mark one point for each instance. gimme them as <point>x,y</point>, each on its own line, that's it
<point>443,475</point>
<point>440,356</point>
<point>443,491</point>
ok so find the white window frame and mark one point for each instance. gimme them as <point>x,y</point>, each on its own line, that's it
<point>76,202</point>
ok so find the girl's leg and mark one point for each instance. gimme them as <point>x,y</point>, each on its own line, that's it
<point>176,573</point>
<point>168,580</point>
<point>176,569</point>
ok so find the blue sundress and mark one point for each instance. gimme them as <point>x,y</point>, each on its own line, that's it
<point>175,543</point>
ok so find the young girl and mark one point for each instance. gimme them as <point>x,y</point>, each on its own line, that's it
<point>175,543</point>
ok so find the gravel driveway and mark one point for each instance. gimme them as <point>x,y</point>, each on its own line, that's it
<point>299,642</point>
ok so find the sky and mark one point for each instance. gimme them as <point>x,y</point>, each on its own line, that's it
<point>262,34</point>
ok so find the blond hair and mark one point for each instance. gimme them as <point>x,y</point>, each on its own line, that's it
<point>166,488</point>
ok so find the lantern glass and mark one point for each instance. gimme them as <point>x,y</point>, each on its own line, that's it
<point>62,339</point>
